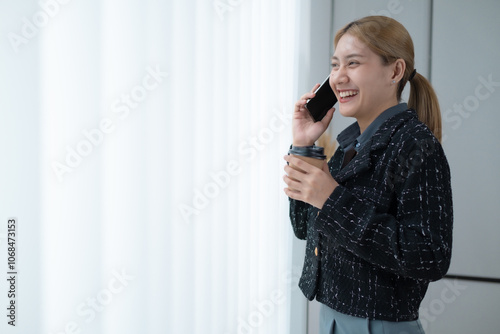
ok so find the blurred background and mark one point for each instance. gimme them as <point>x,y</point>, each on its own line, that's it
<point>142,147</point>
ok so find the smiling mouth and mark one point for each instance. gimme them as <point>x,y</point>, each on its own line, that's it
<point>348,93</point>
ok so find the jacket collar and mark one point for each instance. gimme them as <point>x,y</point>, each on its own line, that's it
<point>380,139</point>
<point>352,136</point>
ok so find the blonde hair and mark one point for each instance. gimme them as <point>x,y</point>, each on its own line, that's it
<point>391,41</point>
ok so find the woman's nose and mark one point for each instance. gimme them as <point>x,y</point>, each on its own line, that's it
<point>339,76</point>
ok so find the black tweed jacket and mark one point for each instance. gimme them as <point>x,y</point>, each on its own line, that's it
<point>386,231</point>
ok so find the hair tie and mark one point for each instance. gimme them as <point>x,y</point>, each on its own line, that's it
<point>412,74</point>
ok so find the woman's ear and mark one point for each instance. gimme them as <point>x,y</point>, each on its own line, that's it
<point>399,68</point>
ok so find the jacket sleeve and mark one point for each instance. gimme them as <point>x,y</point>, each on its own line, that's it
<point>414,238</point>
<point>299,214</point>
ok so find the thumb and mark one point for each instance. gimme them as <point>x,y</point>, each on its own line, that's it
<point>328,117</point>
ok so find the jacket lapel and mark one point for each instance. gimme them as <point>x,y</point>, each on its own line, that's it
<point>362,161</point>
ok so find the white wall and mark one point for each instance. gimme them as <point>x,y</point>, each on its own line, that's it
<point>465,53</point>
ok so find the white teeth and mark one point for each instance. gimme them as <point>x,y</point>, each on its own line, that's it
<point>348,93</point>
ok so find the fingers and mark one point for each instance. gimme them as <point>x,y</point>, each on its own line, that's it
<point>328,118</point>
<point>293,194</point>
<point>294,174</point>
<point>300,104</point>
<point>293,177</point>
<point>303,99</point>
<point>316,86</point>
<point>292,184</point>
<point>309,95</point>
<point>298,163</point>
<point>313,187</point>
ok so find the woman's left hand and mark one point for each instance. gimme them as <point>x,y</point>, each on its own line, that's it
<point>312,186</point>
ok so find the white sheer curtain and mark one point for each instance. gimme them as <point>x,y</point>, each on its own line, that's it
<point>163,128</point>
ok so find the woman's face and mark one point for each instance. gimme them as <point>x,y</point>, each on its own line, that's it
<point>363,85</point>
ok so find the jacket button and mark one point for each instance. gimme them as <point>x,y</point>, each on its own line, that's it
<point>316,251</point>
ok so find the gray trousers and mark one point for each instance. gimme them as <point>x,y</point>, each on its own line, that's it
<point>333,322</point>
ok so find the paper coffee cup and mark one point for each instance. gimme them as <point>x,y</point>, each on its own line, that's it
<point>313,155</point>
<point>312,161</point>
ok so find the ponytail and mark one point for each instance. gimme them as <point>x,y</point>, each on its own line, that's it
<point>423,99</point>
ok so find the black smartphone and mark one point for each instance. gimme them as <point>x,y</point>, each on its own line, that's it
<point>324,100</point>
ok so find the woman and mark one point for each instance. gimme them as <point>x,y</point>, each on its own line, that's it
<point>378,217</point>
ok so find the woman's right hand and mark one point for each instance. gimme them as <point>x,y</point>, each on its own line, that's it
<point>304,130</point>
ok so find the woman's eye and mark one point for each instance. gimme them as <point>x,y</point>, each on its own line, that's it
<point>353,63</point>
<point>334,65</point>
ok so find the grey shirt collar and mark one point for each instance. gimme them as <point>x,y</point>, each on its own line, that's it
<point>352,136</point>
